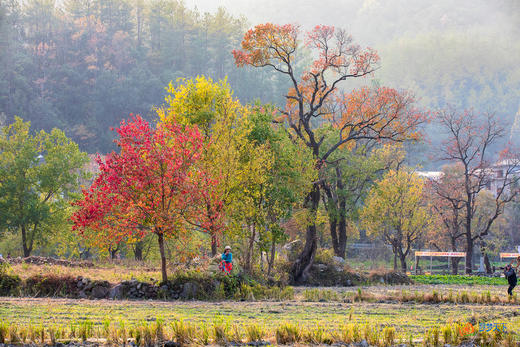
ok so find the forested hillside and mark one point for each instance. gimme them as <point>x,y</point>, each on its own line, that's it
<point>82,66</point>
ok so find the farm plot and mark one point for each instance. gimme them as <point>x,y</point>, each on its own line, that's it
<point>410,320</point>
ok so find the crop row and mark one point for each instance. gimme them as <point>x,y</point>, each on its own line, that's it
<point>458,279</point>
<point>458,297</point>
<point>184,333</point>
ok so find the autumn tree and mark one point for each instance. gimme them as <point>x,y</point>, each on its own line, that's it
<point>288,179</point>
<point>446,196</point>
<point>315,97</point>
<point>495,239</point>
<point>224,126</point>
<point>39,174</point>
<point>346,179</point>
<point>150,187</point>
<point>395,211</point>
<point>468,144</point>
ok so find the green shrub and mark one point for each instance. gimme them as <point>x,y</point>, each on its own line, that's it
<point>231,285</point>
<point>204,335</point>
<point>14,338</point>
<point>317,336</point>
<point>464,297</point>
<point>371,334</point>
<point>288,334</point>
<point>51,285</point>
<point>254,333</point>
<point>432,337</point>
<point>447,334</point>
<point>183,333</point>
<point>323,295</point>
<point>221,333</point>
<point>246,292</point>
<point>4,328</point>
<point>389,336</point>
<point>287,293</point>
<point>85,330</point>
<point>324,256</point>
<point>10,283</point>
<point>158,330</point>
<point>236,335</point>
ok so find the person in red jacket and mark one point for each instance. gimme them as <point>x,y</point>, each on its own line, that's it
<point>226,265</point>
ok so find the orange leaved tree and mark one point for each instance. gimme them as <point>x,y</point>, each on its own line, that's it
<point>151,186</point>
<point>314,99</point>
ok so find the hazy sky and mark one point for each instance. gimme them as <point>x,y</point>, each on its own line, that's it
<point>441,50</point>
<point>374,21</point>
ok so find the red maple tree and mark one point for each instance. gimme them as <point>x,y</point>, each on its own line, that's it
<point>154,185</point>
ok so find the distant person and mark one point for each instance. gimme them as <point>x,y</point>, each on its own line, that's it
<point>509,272</point>
<point>226,265</point>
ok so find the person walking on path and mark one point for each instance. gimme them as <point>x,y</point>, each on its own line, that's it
<point>510,273</point>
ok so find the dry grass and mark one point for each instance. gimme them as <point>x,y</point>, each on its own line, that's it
<point>231,321</point>
<point>145,334</point>
<point>111,272</point>
<point>432,296</point>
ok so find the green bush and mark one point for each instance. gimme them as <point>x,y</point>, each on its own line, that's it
<point>288,334</point>
<point>10,283</point>
<point>218,286</point>
<point>50,285</point>
<point>324,256</point>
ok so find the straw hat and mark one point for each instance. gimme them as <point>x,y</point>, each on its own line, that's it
<point>227,247</point>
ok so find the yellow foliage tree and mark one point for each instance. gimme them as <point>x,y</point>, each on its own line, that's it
<point>395,211</point>
<point>237,165</point>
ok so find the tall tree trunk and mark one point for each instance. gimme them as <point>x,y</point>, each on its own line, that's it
<point>112,252</point>
<point>214,245</point>
<point>455,266</point>
<point>250,247</point>
<point>342,207</point>
<point>160,239</point>
<point>469,253</point>
<point>333,234</point>
<point>454,261</point>
<point>487,264</point>
<point>336,208</point>
<point>363,235</point>
<point>262,260</point>
<point>302,265</point>
<point>331,207</point>
<point>138,250</point>
<point>26,245</point>
<point>469,239</point>
<point>342,231</point>
<point>394,250</point>
<point>84,253</point>
<point>270,260</point>
<point>483,252</point>
<point>402,258</point>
